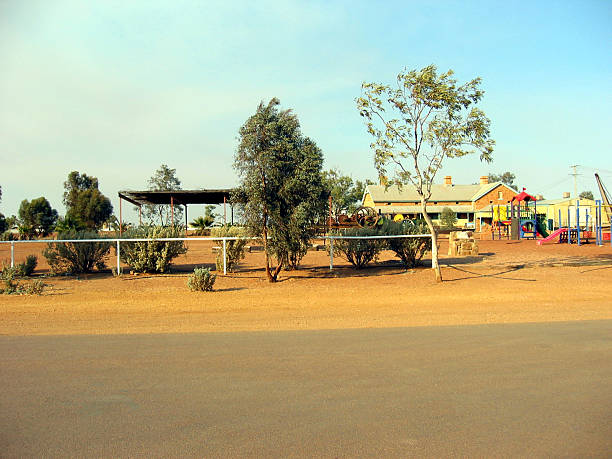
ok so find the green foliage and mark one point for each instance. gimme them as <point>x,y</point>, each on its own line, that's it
<point>234,249</point>
<point>281,184</point>
<point>36,287</point>
<point>346,194</point>
<point>203,223</point>
<point>163,179</point>
<point>87,208</point>
<point>76,257</point>
<point>201,280</point>
<point>586,195</point>
<point>419,122</point>
<point>448,218</point>
<point>26,268</point>
<point>359,252</point>
<point>408,250</point>
<point>3,224</point>
<point>152,256</point>
<point>11,287</point>
<point>37,218</point>
<point>507,178</point>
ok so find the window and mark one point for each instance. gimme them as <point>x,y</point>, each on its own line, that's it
<point>462,215</point>
<point>500,196</point>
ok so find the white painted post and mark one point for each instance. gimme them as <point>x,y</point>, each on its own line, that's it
<point>12,254</point>
<point>331,253</point>
<point>118,258</point>
<point>224,257</point>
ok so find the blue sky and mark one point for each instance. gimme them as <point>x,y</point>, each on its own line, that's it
<point>114,89</point>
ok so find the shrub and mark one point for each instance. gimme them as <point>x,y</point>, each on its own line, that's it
<point>76,257</point>
<point>448,218</point>
<point>152,256</point>
<point>408,250</point>
<point>201,280</point>
<point>9,285</point>
<point>27,268</point>
<point>35,288</point>
<point>359,252</point>
<point>234,248</point>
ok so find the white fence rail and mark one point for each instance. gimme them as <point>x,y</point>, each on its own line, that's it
<point>223,239</point>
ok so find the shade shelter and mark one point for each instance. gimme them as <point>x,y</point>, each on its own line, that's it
<point>176,197</point>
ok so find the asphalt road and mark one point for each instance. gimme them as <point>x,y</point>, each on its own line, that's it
<point>523,390</point>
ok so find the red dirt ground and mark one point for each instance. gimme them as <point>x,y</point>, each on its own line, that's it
<point>510,281</point>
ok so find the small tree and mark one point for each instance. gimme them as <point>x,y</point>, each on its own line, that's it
<point>202,223</point>
<point>426,118</point>
<point>77,257</point>
<point>163,179</point>
<point>448,219</point>
<point>281,184</point>
<point>86,207</point>
<point>37,218</point>
<point>346,194</point>
<point>586,195</point>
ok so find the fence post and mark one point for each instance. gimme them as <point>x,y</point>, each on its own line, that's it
<point>12,254</point>
<point>224,257</point>
<point>331,253</point>
<point>118,257</point>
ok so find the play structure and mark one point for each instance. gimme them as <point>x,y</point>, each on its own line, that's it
<point>580,232</point>
<point>518,219</point>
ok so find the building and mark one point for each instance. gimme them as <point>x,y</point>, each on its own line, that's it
<point>464,200</point>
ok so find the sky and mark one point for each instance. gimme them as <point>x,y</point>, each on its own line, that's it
<point>114,89</point>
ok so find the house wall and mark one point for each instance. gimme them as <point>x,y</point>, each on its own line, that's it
<point>492,197</point>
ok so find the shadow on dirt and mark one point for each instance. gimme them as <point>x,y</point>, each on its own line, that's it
<point>497,275</point>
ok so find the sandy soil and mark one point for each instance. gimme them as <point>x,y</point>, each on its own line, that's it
<point>508,282</point>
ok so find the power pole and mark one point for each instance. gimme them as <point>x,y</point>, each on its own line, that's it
<point>575,174</point>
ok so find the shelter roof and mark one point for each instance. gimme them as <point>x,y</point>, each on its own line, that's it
<point>178,196</point>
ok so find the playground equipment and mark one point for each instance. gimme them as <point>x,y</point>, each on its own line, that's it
<point>524,222</point>
<point>578,233</point>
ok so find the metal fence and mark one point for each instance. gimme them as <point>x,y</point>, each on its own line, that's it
<point>223,239</point>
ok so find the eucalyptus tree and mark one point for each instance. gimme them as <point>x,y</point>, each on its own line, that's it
<point>417,123</point>
<point>163,179</point>
<point>346,194</point>
<point>281,184</point>
<point>86,206</point>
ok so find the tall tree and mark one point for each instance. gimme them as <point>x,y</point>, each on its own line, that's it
<point>586,195</point>
<point>36,218</point>
<point>86,206</point>
<point>346,194</point>
<point>163,179</point>
<point>418,123</point>
<point>507,178</point>
<point>281,184</point>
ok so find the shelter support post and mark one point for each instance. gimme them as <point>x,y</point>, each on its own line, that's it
<point>12,254</point>
<point>185,219</point>
<point>224,210</point>
<point>172,209</point>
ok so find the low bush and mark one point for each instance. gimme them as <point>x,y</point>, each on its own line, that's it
<point>76,257</point>
<point>10,286</point>
<point>201,280</point>
<point>408,250</point>
<point>27,268</point>
<point>234,249</point>
<point>152,256</point>
<point>359,252</point>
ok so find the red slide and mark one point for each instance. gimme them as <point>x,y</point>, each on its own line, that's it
<point>552,235</point>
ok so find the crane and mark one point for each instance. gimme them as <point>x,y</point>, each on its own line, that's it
<point>605,197</point>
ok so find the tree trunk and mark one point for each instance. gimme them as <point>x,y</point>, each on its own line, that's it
<point>434,242</point>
